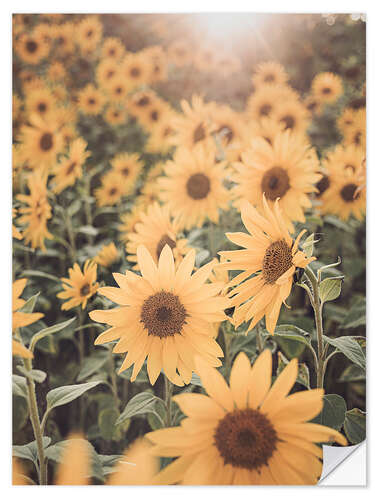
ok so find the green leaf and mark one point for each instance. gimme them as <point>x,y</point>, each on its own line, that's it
<point>196,380</point>
<point>74,207</point>
<point>20,413</point>
<point>144,402</point>
<point>308,245</point>
<point>242,343</point>
<point>65,394</point>
<point>107,420</point>
<point>19,386</point>
<point>41,274</point>
<point>355,425</point>
<point>92,364</point>
<point>48,331</point>
<point>29,451</point>
<point>292,340</point>
<point>108,462</point>
<point>333,413</point>
<point>36,375</point>
<point>330,288</point>
<point>303,376</point>
<point>350,348</point>
<point>356,315</point>
<point>28,307</point>
<point>352,373</point>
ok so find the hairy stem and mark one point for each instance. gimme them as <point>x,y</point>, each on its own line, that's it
<point>168,391</point>
<point>317,306</point>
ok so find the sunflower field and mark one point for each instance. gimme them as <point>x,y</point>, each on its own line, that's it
<point>189,197</point>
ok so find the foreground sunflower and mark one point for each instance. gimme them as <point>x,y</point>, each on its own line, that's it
<point>286,170</point>
<point>80,286</point>
<point>270,252</point>
<point>156,229</point>
<point>165,315</point>
<point>194,186</point>
<point>246,433</point>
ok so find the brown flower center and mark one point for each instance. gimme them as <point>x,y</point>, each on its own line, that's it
<point>85,290</point>
<point>312,105</point>
<point>275,183</point>
<point>198,186</point>
<point>269,78</point>
<point>277,259</point>
<point>357,138</point>
<point>163,315</point>
<point>348,193</point>
<point>350,167</point>
<point>92,101</point>
<point>326,90</point>
<point>42,107</point>
<point>113,191</point>
<point>154,115</point>
<point>135,72</point>
<point>125,171</point>
<point>71,168</point>
<point>143,101</point>
<point>246,439</point>
<point>289,122</point>
<point>31,46</point>
<point>227,132</point>
<point>265,109</point>
<point>322,185</point>
<point>46,141</point>
<point>164,240</point>
<point>199,133</point>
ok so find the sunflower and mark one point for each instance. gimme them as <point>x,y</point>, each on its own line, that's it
<point>161,138</point>
<point>63,35</point>
<point>313,105</point>
<point>107,255</point>
<point>192,127</point>
<point>327,87</point>
<point>149,194</point>
<point>19,349</point>
<point>128,165</point>
<point>269,251</point>
<point>128,222</point>
<point>166,315</point>
<point>106,72</point>
<point>43,32</point>
<point>31,49</point>
<point>19,318</point>
<point>155,230</point>
<point>68,133</point>
<point>90,100</point>
<point>136,69</point>
<point>248,432</point>
<point>80,286</point>
<point>346,119</point>
<point>88,33</point>
<point>158,113</point>
<point>140,102</point>
<point>267,128</point>
<point>115,115</point>
<point>111,190</point>
<point>345,195</point>
<point>194,186</point>
<point>270,72</point>
<point>112,49</point>
<point>228,125</point>
<point>155,172</point>
<point>179,53</point>
<point>343,160</point>
<point>41,142</point>
<point>37,213</point>
<point>292,115</point>
<point>40,102</point>
<point>265,100</point>
<point>286,170</point>
<point>159,63</point>
<point>117,90</point>
<point>56,72</point>
<point>70,169</point>
<point>355,134</point>
<point>15,232</point>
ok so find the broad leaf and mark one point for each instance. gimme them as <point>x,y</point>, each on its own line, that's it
<point>356,315</point>
<point>30,451</point>
<point>19,386</point>
<point>41,274</point>
<point>144,402</point>
<point>352,373</point>
<point>355,425</point>
<point>65,394</point>
<point>92,364</point>
<point>330,289</point>
<point>28,307</point>
<point>36,375</point>
<point>48,331</point>
<point>350,348</point>
<point>333,413</point>
<point>106,420</point>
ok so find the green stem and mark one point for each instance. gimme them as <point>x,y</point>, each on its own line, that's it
<point>260,343</point>
<point>227,342</point>
<point>168,391</point>
<point>317,306</point>
<point>87,206</point>
<point>114,380</point>
<point>35,422</point>
<point>69,229</point>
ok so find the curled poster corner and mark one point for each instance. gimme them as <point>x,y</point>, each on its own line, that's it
<point>344,466</point>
